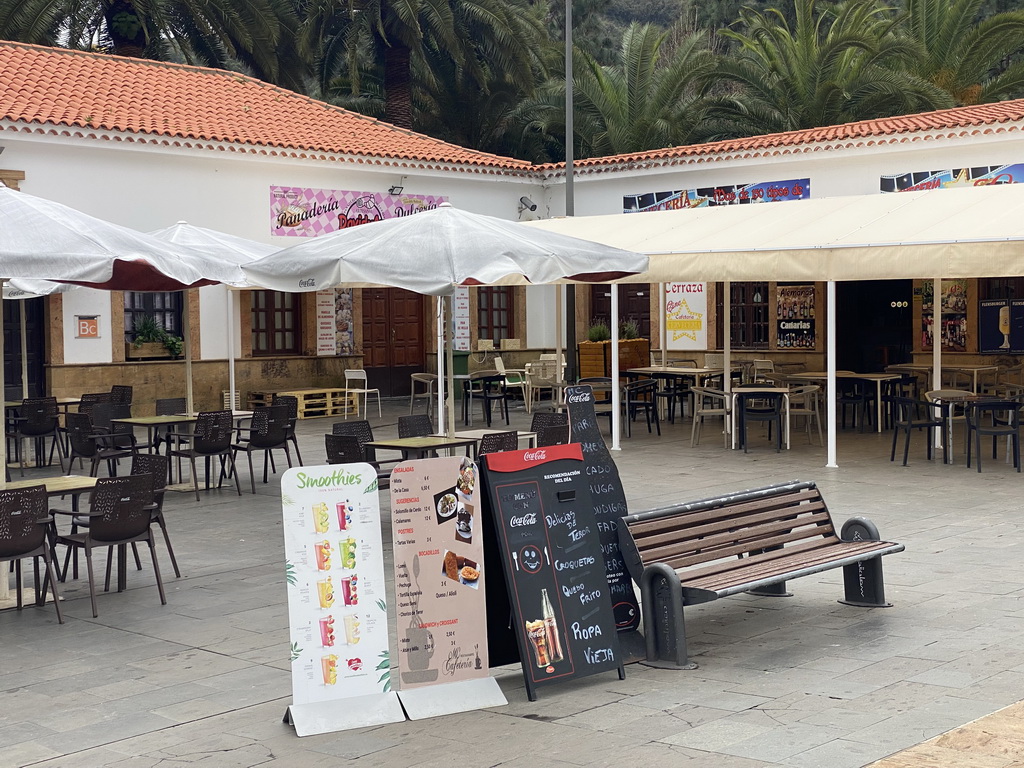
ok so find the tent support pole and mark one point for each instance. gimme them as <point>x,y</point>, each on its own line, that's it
<point>24,350</point>
<point>662,322</point>
<point>937,346</point>
<point>616,392</point>
<point>230,304</point>
<point>449,333</point>
<point>559,325</point>
<point>5,579</point>
<point>439,346</point>
<point>830,383</point>
<point>188,352</point>
<point>727,357</point>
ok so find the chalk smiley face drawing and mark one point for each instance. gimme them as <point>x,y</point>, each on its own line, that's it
<point>530,558</point>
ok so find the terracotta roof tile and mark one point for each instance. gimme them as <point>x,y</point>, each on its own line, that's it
<point>54,86</point>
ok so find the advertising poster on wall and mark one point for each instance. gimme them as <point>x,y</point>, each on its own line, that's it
<point>795,317</point>
<point>985,175</point>
<point>440,588</point>
<point>344,335</point>
<point>704,197</point>
<point>460,319</point>
<point>337,601</point>
<point>952,315</point>
<point>326,322</point>
<point>302,212</point>
<point>686,309</point>
<point>1001,327</point>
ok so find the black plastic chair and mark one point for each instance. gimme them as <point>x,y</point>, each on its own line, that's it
<point>210,437</point>
<point>343,449</point>
<point>167,406</point>
<point>556,434</point>
<point>268,432</point>
<point>120,435</point>
<point>494,442</point>
<point>118,516</point>
<point>363,432</point>
<point>639,396</point>
<point>416,425</point>
<point>121,394</point>
<point>765,407</point>
<point>291,402</point>
<point>858,396</point>
<point>85,443</point>
<point>995,419</point>
<point>37,420</point>
<point>158,466</point>
<point>909,414</point>
<point>24,528</point>
<point>494,390</point>
<point>673,390</point>
<point>543,419</point>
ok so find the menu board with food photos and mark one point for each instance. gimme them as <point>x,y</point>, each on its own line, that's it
<point>337,602</point>
<point>561,613</point>
<point>609,501</point>
<point>440,584</point>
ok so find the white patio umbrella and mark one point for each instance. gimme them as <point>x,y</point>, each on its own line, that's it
<point>44,240</point>
<point>237,250</point>
<point>433,252</point>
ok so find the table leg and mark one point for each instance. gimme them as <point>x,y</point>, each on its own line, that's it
<point>878,405</point>
<point>122,567</point>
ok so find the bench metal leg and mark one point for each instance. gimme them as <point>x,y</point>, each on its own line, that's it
<point>864,586</point>
<point>778,589</point>
<point>664,630</point>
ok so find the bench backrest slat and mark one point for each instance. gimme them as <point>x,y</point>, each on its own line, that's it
<point>725,566</point>
<point>711,515</point>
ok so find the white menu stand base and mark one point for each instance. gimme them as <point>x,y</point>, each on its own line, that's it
<point>449,698</point>
<point>344,714</point>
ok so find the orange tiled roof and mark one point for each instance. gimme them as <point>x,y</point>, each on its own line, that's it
<point>958,119</point>
<point>59,87</point>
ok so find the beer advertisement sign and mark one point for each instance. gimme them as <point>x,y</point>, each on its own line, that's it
<point>795,317</point>
<point>337,602</point>
<point>686,311</point>
<point>554,569</point>
<point>440,583</point>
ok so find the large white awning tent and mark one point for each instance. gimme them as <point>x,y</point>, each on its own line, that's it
<point>939,233</point>
<point>955,232</point>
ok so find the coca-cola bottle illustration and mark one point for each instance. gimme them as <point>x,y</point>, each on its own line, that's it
<point>550,628</point>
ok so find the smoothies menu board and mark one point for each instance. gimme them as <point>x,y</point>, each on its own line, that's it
<point>551,556</point>
<point>609,501</point>
<point>439,572</point>
<point>337,610</point>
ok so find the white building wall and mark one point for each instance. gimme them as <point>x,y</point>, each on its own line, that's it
<point>87,301</point>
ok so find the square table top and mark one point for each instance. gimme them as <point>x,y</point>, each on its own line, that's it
<point>57,486</point>
<point>156,421</point>
<point>424,442</point>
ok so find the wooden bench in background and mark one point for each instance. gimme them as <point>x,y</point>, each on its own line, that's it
<point>753,541</point>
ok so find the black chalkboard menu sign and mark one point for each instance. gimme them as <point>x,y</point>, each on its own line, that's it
<point>609,501</point>
<point>561,613</point>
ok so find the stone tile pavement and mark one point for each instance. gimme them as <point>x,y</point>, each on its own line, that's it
<point>802,681</point>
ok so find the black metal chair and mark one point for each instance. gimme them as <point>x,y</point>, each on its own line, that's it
<point>495,391</point>
<point>210,437</point>
<point>268,432</point>
<point>37,420</point>
<point>120,435</point>
<point>674,390</point>
<point>85,443</point>
<point>766,407</point>
<point>118,516</point>
<point>856,395</point>
<point>995,419</point>
<point>909,414</point>
<point>24,528</point>
<point>292,403</point>
<point>639,396</point>
<point>416,425</point>
<point>493,442</point>
<point>158,466</point>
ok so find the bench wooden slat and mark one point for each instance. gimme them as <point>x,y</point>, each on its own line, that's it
<point>726,512</point>
<point>818,525</point>
<point>682,532</point>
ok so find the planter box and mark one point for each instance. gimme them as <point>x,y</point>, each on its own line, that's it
<point>596,356</point>
<point>147,349</point>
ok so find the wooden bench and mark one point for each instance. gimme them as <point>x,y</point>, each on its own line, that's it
<point>753,541</point>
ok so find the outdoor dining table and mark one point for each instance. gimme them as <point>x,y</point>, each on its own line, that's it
<point>974,370</point>
<point>477,435</point>
<point>877,378</point>
<point>419,447</point>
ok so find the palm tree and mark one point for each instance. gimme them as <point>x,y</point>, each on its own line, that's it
<point>649,99</point>
<point>254,34</point>
<point>838,65</point>
<point>485,39</point>
<point>964,56</point>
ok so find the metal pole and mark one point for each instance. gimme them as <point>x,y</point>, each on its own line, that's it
<point>830,383</point>
<point>727,358</point>
<point>442,421</point>
<point>24,349</point>
<point>662,322</point>
<point>937,346</point>
<point>570,203</point>
<point>449,332</point>
<point>616,392</point>
<point>231,349</point>
<point>188,352</point>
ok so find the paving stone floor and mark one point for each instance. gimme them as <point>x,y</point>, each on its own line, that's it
<point>802,681</point>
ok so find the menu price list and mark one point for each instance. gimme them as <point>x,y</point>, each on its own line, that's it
<point>561,612</point>
<point>439,571</point>
<point>335,574</point>
<point>609,502</point>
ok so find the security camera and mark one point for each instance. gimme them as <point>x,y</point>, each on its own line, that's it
<point>527,204</point>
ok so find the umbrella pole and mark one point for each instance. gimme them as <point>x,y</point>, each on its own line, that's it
<point>450,397</point>
<point>937,348</point>
<point>24,350</point>
<point>5,579</point>
<point>559,325</point>
<point>616,390</point>
<point>188,353</point>
<point>231,348</point>
<point>830,384</point>
<point>662,321</point>
<point>441,381</point>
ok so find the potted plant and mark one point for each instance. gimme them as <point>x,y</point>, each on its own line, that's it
<point>152,340</point>
<point>595,354</point>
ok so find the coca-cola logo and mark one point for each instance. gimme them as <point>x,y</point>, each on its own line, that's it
<point>579,397</point>
<point>307,283</point>
<point>535,455</point>
<point>527,519</point>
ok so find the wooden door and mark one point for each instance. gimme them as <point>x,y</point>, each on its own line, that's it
<point>634,305</point>
<point>35,350</point>
<point>393,338</point>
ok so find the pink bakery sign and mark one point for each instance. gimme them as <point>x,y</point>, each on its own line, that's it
<point>299,212</point>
